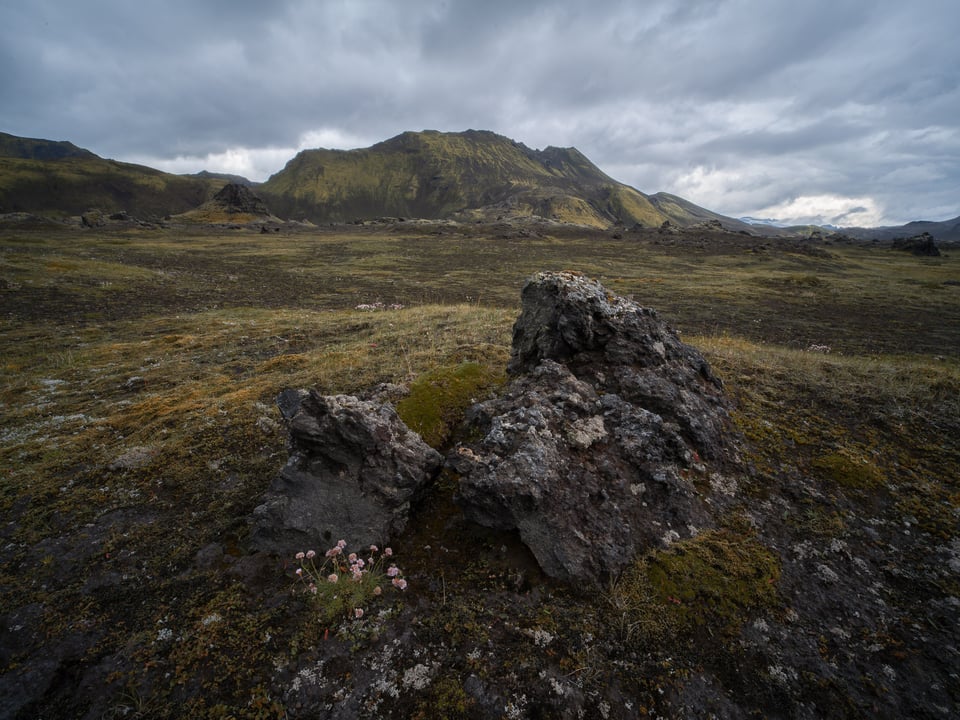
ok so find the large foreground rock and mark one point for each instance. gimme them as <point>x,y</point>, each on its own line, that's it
<point>611,439</point>
<point>353,471</point>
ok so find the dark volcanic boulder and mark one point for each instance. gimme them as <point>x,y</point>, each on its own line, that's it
<point>922,245</point>
<point>612,438</point>
<point>620,347</point>
<point>353,471</point>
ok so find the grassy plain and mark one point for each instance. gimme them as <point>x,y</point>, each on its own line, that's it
<point>137,377</point>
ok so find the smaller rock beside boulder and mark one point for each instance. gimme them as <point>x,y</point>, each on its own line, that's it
<point>354,470</point>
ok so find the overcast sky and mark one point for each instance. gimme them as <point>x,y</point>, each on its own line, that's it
<point>830,111</point>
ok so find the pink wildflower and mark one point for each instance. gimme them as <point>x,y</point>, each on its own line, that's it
<point>377,590</point>
<point>333,577</point>
<point>311,554</point>
<point>360,563</point>
<point>299,556</point>
<point>333,552</point>
<point>341,544</point>
<point>312,588</point>
<point>352,557</point>
<point>393,571</point>
<point>358,613</point>
<point>357,575</point>
<point>373,548</point>
<point>387,552</point>
<point>400,583</point>
<point>299,571</point>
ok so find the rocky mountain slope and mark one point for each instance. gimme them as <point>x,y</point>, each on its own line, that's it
<point>60,179</point>
<point>470,175</point>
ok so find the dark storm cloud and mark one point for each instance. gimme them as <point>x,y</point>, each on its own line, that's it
<point>740,105</point>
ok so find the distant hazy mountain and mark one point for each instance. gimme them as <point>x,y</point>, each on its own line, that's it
<point>226,177</point>
<point>946,231</point>
<point>473,174</point>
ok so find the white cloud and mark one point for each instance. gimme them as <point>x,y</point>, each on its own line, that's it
<point>333,138</point>
<point>826,210</point>
<point>255,164</point>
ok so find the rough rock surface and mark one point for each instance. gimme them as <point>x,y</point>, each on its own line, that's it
<point>600,446</point>
<point>353,471</point>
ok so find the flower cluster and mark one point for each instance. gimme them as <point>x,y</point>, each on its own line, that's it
<point>340,583</point>
<point>370,307</point>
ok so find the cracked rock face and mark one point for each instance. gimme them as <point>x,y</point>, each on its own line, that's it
<point>612,437</point>
<point>353,471</point>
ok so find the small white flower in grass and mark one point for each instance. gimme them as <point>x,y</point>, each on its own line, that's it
<point>352,557</point>
<point>299,556</point>
<point>387,552</point>
<point>377,590</point>
<point>373,548</point>
<point>358,613</point>
<point>393,571</point>
<point>333,577</point>
<point>311,554</point>
<point>341,544</point>
<point>299,571</point>
<point>400,583</point>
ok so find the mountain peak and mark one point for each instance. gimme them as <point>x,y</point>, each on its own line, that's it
<point>471,175</point>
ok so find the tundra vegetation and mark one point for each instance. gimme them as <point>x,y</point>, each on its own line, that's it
<point>139,369</point>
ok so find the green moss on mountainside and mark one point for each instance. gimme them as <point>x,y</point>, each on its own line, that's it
<point>434,175</point>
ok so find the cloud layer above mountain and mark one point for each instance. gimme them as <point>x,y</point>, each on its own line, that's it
<point>836,111</point>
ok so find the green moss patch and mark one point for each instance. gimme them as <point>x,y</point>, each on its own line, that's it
<point>851,473</point>
<point>439,398</point>
<point>712,582</point>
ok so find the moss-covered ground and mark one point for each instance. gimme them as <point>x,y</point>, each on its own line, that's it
<point>137,378</point>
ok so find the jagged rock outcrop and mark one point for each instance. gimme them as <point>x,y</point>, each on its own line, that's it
<point>236,198</point>
<point>612,438</point>
<point>353,471</point>
<point>922,245</point>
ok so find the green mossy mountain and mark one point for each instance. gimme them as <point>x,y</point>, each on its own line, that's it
<point>469,175</point>
<point>60,179</point>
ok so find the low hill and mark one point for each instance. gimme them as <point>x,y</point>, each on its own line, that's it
<point>60,179</point>
<point>945,231</point>
<point>471,175</point>
<point>683,212</point>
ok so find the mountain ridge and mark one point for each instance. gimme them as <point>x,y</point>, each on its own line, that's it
<point>58,179</point>
<point>471,176</point>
